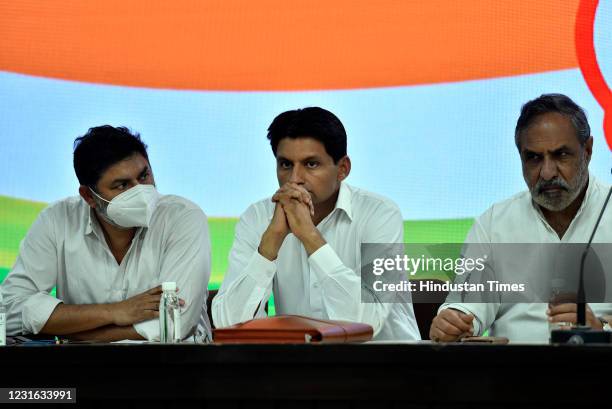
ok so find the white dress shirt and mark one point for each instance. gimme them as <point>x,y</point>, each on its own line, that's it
<point>327,284</point>
<point>519,220</point>
<point>65,248</point>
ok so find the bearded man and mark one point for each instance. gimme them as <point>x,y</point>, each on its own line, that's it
<point>561,206</point>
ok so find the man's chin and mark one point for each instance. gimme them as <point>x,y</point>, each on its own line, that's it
<point>553,203</point>
<point>554,195</point>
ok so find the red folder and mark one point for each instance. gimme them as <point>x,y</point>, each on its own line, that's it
<point>293,329</point>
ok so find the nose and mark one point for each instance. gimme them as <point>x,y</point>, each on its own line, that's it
<point>549,169</point>
<point>297,174</point>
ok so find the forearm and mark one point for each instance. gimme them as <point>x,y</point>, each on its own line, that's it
<point>108,333</point>
<point>342,300</point>
<point>341,289</point>
<point>71,319</point>
<point>239,299</point>
<point>312,241</point>
<point>239,303</point>
<point>270,244</point>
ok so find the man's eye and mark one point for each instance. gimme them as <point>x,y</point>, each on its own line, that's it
<point>284,165</point>
<point>144,176</point>
<point>531,157</point>
<point>312,164</point>
<point>121,186</point>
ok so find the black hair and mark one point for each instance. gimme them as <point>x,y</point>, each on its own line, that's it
<point>312,122</point>
<point>100,148</point>
<point>553,103</point>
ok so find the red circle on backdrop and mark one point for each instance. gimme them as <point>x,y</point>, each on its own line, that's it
<point>587,61</point>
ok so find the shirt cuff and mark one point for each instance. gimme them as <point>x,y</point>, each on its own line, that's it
<point>149,330</point>
<point>36,312</point>
<point>261,269</point>
<point>324,261</point>
<point>463,309</point>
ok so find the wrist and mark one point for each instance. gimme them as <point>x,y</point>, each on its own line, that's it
<point>312,241</point>
<point>270,244</point>
<point>265,253</point>
<point>110,313</point>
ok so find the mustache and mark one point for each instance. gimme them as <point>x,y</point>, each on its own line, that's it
<point>556,183</point>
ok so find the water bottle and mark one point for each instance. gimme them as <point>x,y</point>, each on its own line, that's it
<point>2,322</point>
<point>169,315</point>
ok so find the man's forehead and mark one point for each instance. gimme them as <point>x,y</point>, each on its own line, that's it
<point>549,132</point>
<point>127,168</point>
<point>300,148</point>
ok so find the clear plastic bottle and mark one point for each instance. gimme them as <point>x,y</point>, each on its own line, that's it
<point>2,322</point>
<point>169,315</point>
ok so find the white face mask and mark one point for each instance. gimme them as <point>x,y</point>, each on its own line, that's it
<point>132,208</point>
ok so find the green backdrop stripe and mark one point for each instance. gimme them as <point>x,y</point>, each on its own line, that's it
<point>17,215</point>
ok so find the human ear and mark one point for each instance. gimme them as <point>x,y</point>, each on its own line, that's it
<point>344,168</point>
<point>87,196</point>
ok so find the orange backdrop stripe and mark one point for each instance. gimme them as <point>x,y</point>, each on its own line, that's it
<point>285,45</point>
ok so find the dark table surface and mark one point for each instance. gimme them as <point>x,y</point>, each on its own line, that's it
<point>355,375</point>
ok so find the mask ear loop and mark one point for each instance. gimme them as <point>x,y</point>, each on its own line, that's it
<point>103,213</point>
<point>97,195</point>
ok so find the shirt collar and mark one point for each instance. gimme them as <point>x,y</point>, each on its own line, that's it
<point>91,219</point>
<point>344,201</point>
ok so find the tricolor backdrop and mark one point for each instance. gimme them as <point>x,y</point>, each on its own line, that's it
<point>429,93</point>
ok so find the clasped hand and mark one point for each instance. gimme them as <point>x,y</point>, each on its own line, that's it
<point>296,209</point>
<point>293,213</point>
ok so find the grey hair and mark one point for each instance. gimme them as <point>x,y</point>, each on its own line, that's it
<point>553,103</point>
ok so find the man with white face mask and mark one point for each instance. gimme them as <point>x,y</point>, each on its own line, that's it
<point>107,251</point>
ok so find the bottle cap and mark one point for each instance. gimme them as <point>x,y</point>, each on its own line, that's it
<point>169,286</point>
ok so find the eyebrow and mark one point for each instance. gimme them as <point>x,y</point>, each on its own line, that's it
<point>528,151</point>
<point>124,180</point>
<point>144,171</point>
<point>562,148</point>
<point>308,159</point>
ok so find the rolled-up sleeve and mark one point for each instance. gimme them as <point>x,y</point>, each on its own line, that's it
<point>186,261</point>
<point>26,290</point>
